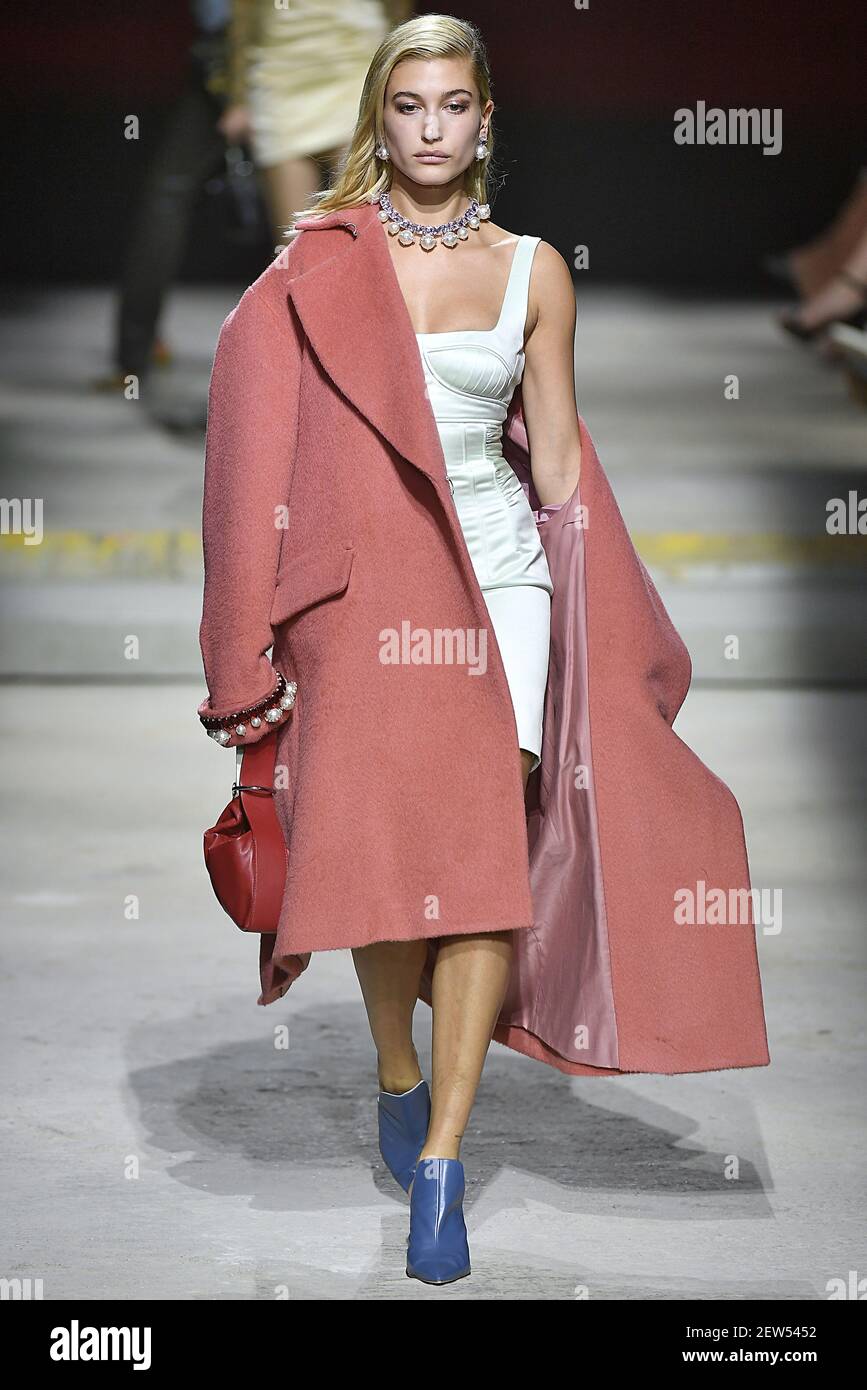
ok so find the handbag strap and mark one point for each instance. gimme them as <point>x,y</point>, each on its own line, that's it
<point>256,794</point>
<point>256,762</point>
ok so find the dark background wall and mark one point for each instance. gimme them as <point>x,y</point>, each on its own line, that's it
<point>586,103</point>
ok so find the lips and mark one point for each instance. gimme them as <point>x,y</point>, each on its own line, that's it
<point>432,158</point>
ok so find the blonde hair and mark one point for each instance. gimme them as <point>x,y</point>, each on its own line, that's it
<point>361,175</point>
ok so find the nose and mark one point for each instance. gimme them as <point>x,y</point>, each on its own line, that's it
<point>431,128</point>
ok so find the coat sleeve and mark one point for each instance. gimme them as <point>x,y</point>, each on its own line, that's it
<point>249,457</point>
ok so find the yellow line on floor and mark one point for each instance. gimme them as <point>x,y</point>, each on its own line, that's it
<point>173,554</point>
<point>757,547</point>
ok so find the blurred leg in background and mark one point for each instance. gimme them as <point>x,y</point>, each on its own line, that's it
<point>191,150</point>
<point>842,299</point>
<point>809,268</point>
<point>290,185</point>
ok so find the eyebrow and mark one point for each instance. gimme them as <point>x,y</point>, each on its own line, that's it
<point>456,91</point>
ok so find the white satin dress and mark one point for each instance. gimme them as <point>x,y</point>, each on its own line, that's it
<point>471,376</point>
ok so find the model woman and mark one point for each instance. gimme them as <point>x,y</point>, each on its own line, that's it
<point>369,485</point>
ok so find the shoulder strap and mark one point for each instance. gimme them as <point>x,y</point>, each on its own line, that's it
<point>514,314</point>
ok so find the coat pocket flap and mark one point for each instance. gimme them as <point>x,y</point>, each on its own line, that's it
<point>309,577</point>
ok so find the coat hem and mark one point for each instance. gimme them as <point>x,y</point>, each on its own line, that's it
<point>515,1037</point>
<point>288,962</point>
<point>438,930</point>
<point>529,1044</point>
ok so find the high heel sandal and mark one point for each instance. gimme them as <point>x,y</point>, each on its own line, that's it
<point>403,1125</point>
<point>856,319</point>
<point>437,1250</point>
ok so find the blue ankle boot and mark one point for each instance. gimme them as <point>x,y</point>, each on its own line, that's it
<point>403,1124</point>
<point>437,1250</point>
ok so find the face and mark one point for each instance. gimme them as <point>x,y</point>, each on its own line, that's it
<point>432,109</point>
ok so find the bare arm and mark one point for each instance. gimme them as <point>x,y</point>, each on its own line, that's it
<point>241,33</point>
<point>548,383</point>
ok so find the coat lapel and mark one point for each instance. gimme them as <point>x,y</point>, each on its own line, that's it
<point>355,317</point>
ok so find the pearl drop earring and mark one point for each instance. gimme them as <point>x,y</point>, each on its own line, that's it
<point>382,152</point>
<point>481,147</point>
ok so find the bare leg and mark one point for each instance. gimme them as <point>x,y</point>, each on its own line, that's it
<point>469,983</point>
<point>814,264</point>
<point>841,296</point>
<point>289,185</point>
<point>389,974</point>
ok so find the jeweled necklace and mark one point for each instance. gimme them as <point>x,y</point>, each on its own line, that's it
<point>449,233</point>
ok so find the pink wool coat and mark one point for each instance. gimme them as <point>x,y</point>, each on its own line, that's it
<point>328,522</point>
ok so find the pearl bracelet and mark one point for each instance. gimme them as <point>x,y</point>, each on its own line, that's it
<point>272,709</point>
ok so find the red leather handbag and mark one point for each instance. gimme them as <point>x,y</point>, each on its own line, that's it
<point>245,852</point>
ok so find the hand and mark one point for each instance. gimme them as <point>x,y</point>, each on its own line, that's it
<point>235,124</point>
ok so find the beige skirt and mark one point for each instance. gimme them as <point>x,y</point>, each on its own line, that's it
<point>306,71</point>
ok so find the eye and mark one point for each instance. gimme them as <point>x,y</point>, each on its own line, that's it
<point>456,106</point>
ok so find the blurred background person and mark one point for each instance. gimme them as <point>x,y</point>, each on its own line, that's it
<point>810,266</point>
<point>192,149</point>
<point>282,80</point>
<point>296,72</point>
<point>831,272</point>
<point>829,275</point>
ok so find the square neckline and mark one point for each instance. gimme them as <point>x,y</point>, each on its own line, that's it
<point>482,332</point>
